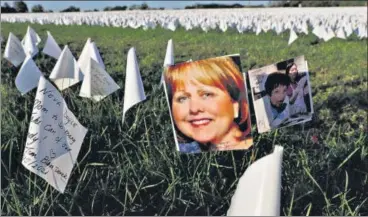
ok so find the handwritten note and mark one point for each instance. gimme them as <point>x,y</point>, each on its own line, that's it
<point>54,137</point>
<point>97,83</point>
<point>14,50</point>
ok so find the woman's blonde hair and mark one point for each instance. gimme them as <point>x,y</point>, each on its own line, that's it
<point>220,72</point>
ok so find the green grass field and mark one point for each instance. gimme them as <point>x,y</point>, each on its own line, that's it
<point>133,168</point>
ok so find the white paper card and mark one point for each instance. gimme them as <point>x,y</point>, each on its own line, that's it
<point>28,76</point>
<point>14,52</point>
<point>54,137</point>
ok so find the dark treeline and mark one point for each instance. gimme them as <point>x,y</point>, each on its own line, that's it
<point>326,3</point>
<point>214,5</point>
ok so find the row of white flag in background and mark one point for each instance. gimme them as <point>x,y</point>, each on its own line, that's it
<point>55,135</point>
<point>326,23</point>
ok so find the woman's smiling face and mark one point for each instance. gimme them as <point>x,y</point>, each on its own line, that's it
<point>202,112</point>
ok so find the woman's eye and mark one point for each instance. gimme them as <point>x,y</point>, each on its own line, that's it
<point>181,99</point>
<point>207,94</point>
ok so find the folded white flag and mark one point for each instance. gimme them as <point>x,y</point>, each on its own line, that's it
<point>34,36</point>
<point>14,51</point>
<point>54,137</point>
<point>292,37</point>
<point>169,57</point>
<point>28,76</point>
<point>89,51</point>
<point>97,83</point>
<point>258,191</point>
<point>29,46</point>
<point>134,90</point>
<point>66,71</point>
<point>51,47</point>
<point>95,54</point>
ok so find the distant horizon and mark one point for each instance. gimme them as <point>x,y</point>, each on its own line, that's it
<point>100,5</point>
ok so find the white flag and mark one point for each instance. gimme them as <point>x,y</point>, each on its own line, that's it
<point>66,71</point>
<point>134,90</point>
<point>292,37</point>
<point>258,191</point>
<point>97,83</point>
<point>28,76</point>
<point>169,57</point>
<point>30,48</point>
<point>14,51</point>
<point>95,54</point>
<point>34,36</point>
<point>340,33</point>
<point>54,137</point>
<point>329,34</point>
<point>51,47</point>
<point>89,50</point>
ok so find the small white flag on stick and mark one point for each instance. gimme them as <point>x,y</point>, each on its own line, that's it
<point>134,90</point>
<point>66,71</point>
<point>259,189</point>
<point>34,36</point>
<point>51,47</point>
<point>169,57</point>
<point>14,51</point>
<point>292,37</point>
<point>28,76</point>
<point>54,137</point>
<point>89,51</point>
<point>97,83</point>
<point>30,48</point>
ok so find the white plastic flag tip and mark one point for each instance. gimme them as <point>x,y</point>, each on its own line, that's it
<point>14,51</point>
<point>51,47</point>
<point>259,189</point>
<point>66,71</point>
<point>134,90</point>
<point>54,138</point>
<point>97,83</point>
<point>34,36</point>
<point>292,37</point>
<point>169,57</point>
<point>28,76</point>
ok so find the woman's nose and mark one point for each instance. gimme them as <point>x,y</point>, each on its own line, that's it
<point>195,105</point>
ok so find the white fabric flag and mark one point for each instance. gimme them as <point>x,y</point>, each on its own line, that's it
<point>169,57</point>
<point>259,189</point>
<point>292,37</point>
<point>51,48</point>
<point>54,137</point>
<point>134,90</point>
<point>30,48</point>
<point>28,76</point>
<point>14,51</point>
<point>66,71</point>
<point>34,36</point>
<point>97,83</point>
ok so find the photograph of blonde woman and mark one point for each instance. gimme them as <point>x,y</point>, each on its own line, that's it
<point>209,107</point>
